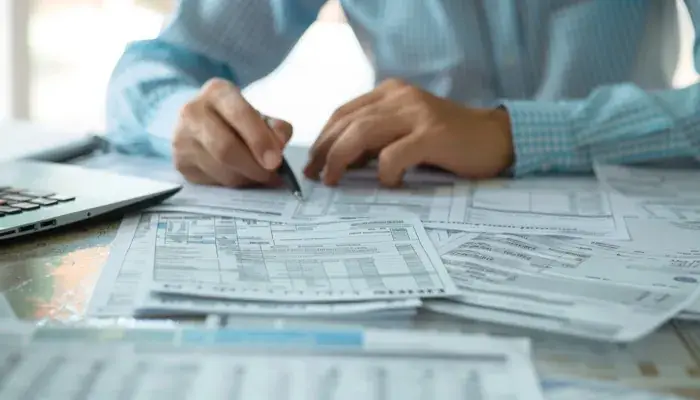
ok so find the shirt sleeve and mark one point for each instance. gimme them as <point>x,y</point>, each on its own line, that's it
<point>238,40</point>
<point>618,123</point>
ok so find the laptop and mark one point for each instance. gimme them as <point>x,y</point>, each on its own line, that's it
<point>38,196</point>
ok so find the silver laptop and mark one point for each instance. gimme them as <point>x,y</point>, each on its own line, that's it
<point>38,196</point>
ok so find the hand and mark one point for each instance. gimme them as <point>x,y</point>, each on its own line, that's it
<point>404,127</point>
<point>220,139</point>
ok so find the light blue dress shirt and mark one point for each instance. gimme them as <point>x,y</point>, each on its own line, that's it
<point>583,80</point>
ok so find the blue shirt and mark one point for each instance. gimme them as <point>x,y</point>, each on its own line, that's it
<point>583,80</point>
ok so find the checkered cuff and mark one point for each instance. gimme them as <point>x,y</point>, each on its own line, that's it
<point>544,138</point>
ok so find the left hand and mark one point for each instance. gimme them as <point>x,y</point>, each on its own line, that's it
<point>405,127</point>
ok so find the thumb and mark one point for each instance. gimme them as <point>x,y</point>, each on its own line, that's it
<point>283,129</point>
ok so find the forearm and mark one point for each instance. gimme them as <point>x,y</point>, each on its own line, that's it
<point>149,85</point>
<point>237,40</point>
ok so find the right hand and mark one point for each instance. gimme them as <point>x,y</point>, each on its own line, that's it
<point>220,139</point>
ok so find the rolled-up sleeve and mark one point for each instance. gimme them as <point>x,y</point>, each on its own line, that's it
<point>619,123</point>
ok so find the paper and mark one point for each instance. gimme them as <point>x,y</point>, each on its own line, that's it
<point>645,182</point>
<point>536,206</point>
<point>609,290</point>
<point>653,193</point>
<point>472,367</point>
<point>571,206</point>
<point>441,236</point>
<point>589,390</point>
<point>133,252</point>
<point>268,204</point>
<point>177,248</point>
<point>369,259</point>
<point>155,304</point>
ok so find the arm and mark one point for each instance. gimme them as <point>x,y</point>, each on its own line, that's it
<point>615,123</point>
<point>238,40</point>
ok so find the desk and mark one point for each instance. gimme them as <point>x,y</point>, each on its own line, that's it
<point>51,277</point>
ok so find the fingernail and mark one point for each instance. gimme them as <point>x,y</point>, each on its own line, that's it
<point>271,159</point>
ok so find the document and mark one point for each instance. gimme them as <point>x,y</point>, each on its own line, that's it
<point>440,236</point>
<point>608,290</point>
<point>472,367</point>
<point>267,204</point>
<point>592,390</point>
<point>330,260</point>
<point>163,304</point>
<point>570,206</point>
<point>558,206</point>
<point>133,258</point>
<point>646,182</point>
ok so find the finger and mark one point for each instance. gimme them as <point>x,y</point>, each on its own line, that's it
<point>195,175</point>
<point>226,176</point>
<point>363,136</point>
<point>399,156</point>
<point>364,100</point>
<point>282,129</point>
<point>225,147</point>
<point>362,161</point>
<point>352,106</point>
<point>228,102</point>
<point>318,156</point>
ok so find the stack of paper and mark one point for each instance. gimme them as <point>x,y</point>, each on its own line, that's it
<point>609,258</point>
<point>172,263</point>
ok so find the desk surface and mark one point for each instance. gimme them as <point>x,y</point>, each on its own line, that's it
<point>52,276</point>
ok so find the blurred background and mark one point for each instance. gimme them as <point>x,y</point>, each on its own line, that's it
<point>56,57</point>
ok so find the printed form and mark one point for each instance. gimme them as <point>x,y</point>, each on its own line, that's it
<point>356,260</point>
<point>132,261</point>
<point>653,192</point>
<point>610,290</point>
<point>471,368</point>
<point>202,252</point>
<point>556,206</point>
<point>645,182</point>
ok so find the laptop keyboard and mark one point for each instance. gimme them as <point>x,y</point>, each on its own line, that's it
<point>16,201</point>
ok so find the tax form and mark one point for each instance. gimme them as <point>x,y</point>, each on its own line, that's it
<point>557,206</point>
<point>330,260</point>
<point>441,236</point>
<point>647,182</point>
<point>654,192</point>
<point>575,207</point>
<point>134,257</point>
<point>608,290</point>
<point>382,367</point>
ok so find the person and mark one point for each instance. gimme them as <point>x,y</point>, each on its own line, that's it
<point>480,88</point>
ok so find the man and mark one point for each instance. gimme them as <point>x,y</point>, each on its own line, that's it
<point>480,88</point>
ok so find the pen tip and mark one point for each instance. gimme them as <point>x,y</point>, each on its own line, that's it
<point>299,196</point>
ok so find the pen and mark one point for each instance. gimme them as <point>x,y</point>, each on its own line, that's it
<point>285,172</point>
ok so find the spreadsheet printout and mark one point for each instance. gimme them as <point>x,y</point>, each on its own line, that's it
<point>131,260</point>
<point>612,290</point>
<point>346,260</point>
<point>472,368</point>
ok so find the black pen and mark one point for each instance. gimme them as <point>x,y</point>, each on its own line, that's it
<point>287,174</point>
